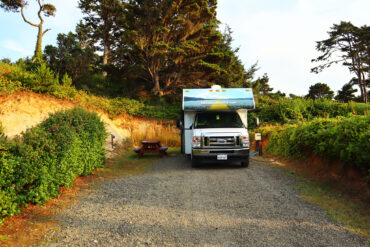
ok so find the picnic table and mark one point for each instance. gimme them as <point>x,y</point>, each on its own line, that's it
<point>151,146</point>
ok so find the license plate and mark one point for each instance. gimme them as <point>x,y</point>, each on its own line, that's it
<point>222,157</point>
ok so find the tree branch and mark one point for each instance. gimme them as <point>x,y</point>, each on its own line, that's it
<point>43,33</point>
<point>39,13</point>
<point>24,18</point>
<point>86,44</point>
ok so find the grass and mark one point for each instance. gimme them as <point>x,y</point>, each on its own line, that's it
<point>164,131</point>
<point>353,214</point>
<point>343,205</point>
<point>4,238</point>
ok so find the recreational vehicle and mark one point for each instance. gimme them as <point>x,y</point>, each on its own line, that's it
<point>214,124</point>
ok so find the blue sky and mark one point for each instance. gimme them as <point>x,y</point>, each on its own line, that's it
<point>279,34</point>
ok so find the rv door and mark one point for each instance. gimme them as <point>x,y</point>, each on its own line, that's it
<point>188,131</point>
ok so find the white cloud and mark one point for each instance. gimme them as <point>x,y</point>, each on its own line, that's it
<point>15,46</point>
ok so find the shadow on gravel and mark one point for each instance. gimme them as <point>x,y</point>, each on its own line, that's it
<point>216,166</point>
<point>184,163</point>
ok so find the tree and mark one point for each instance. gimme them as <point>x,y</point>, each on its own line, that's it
<point>349,45</point>
<point>68,57</point>
<point>171,43</point>
<point>320,91</point>
<point>278,94</point>
<point>293,96</point>
<point>44,8</point>
<point>347,93</point>
<point>261,85</point>
<point>100,25</point>
<point>234,74</point>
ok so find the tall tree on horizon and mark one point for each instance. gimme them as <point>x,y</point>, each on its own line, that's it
<point>261,85</point>
<point>45,9</point>
<point>346,94</point>
<point>320,91</point>
<point>349,45</point>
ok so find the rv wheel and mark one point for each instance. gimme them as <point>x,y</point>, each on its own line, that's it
<point>245,163</point>
<point>194,163</point>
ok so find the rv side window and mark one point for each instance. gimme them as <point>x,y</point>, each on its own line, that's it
<point>217,120</point>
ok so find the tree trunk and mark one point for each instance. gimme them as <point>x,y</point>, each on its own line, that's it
<point>105,57</point>
<point>38,49</point>
<point>365,98</point>
<point>157,88</point>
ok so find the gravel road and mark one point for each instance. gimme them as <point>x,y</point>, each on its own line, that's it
<point>213,205</point>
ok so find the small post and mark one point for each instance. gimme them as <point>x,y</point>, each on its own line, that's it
<point>258,139</point>
<point>112,138</point>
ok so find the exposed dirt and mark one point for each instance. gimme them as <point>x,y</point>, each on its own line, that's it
<point>22,110</point>
<point>214,205</point>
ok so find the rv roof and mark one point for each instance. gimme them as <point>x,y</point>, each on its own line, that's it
<point>217,98</point>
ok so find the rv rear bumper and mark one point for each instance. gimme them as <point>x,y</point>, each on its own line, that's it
<point>213,154</point>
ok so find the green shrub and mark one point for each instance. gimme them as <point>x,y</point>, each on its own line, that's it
<point>65,90</point>
<point>341,138</point>
<point>34,166</point>
<point>286,110</point>
<point>7,86</point>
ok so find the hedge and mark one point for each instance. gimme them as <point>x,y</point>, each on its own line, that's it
<point>42,159</point>
<point>287,110</point>
<point>346,139</point>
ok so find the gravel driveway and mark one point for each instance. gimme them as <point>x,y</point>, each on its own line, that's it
<point>213,205</point>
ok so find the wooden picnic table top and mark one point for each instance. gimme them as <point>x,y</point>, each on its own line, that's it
<point>150,142</point>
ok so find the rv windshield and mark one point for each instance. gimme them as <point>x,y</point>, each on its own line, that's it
<point>218,120</point>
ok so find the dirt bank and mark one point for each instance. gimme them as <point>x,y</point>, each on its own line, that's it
<point>22,110</point>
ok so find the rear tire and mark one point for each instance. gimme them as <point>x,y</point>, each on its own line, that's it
<point>194,163</point>
<point>245,163</point>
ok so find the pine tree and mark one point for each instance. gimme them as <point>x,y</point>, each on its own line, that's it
<point>261,85</point>
<point>320,91</point>
<point>347,93</point>
<point>69,57</point>
<point>100,25</point>
<point>234,74</point>
<point>349,45</point>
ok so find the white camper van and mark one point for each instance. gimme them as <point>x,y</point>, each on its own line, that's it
<point>214,124</point>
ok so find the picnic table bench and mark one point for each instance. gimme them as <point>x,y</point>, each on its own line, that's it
<point>151,146</point>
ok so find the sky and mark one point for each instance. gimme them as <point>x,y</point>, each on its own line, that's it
<point>278,34</point>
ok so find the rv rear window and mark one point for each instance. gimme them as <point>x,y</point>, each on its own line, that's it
<point>218,120</point>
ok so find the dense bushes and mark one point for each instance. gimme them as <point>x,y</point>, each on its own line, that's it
<point>286,110</point>
<point>35,165</point>
<point>341,138</point>
<point>39,78</point>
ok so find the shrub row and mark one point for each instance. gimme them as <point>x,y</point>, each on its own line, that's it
<point>341,138</point>
<point>40,79</point>
<point>287,110</point>
<point>51,155</point>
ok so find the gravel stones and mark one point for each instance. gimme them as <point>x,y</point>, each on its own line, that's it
<point>213,205</point>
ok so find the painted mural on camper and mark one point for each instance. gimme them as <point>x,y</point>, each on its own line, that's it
<point>218,99</point>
